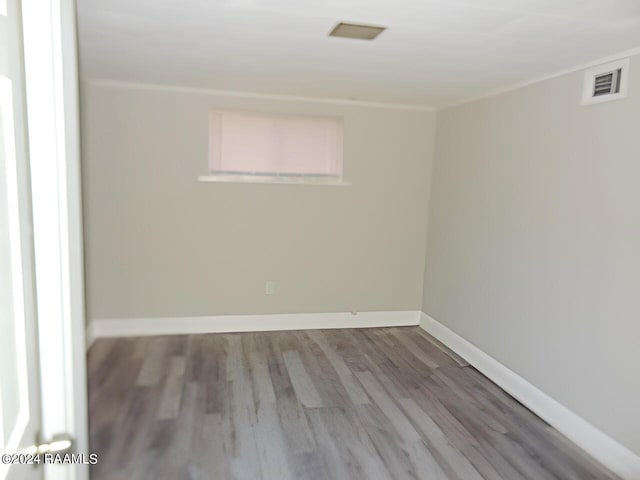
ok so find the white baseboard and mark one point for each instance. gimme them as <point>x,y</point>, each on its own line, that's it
<point>133,327</point>
<point>89,336</point>
<point>596,443</point>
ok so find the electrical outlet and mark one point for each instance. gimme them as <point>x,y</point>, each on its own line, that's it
<point>270,287</point>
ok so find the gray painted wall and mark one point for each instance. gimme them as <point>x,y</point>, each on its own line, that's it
<point>534,242</point>
<point>161,244</point>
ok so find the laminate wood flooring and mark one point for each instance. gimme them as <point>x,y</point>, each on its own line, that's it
<point>381,403</point>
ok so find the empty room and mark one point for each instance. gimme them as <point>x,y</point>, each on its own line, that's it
<point>320,240</point>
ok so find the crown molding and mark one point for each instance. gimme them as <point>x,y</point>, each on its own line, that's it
<point>517,86</point>
<point>361,103</point>
<point>256,95</point>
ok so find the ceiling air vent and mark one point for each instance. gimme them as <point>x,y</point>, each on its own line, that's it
<point>356,30</point>
<point>606,82</point>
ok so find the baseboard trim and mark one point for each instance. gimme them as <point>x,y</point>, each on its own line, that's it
<point>135,327</point>
<point>90,336</point>
<point>596,443</point>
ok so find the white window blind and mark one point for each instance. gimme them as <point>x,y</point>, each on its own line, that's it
<point>258,144</point>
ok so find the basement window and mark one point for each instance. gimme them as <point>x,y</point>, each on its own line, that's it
<point>264,148</point>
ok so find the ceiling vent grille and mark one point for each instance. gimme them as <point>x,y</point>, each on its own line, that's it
<point>356,31</point>
<point>606,82</point>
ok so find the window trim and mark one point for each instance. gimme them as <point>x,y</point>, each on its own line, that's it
<point>326,180</point>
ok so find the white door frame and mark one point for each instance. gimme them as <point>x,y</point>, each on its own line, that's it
<point>50,50</point>
<point>24,422</point>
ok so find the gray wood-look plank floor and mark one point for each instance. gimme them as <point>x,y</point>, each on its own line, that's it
<point>385,403</point>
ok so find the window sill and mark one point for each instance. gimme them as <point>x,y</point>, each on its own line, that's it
<point>283,180</point>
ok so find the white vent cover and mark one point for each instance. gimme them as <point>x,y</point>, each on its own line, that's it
<point>606,82</point>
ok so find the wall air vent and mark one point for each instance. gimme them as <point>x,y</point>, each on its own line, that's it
<point>606,82</point>
<point>356,30</point>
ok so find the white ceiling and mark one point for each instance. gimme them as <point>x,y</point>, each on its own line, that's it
<point>435,52</point>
